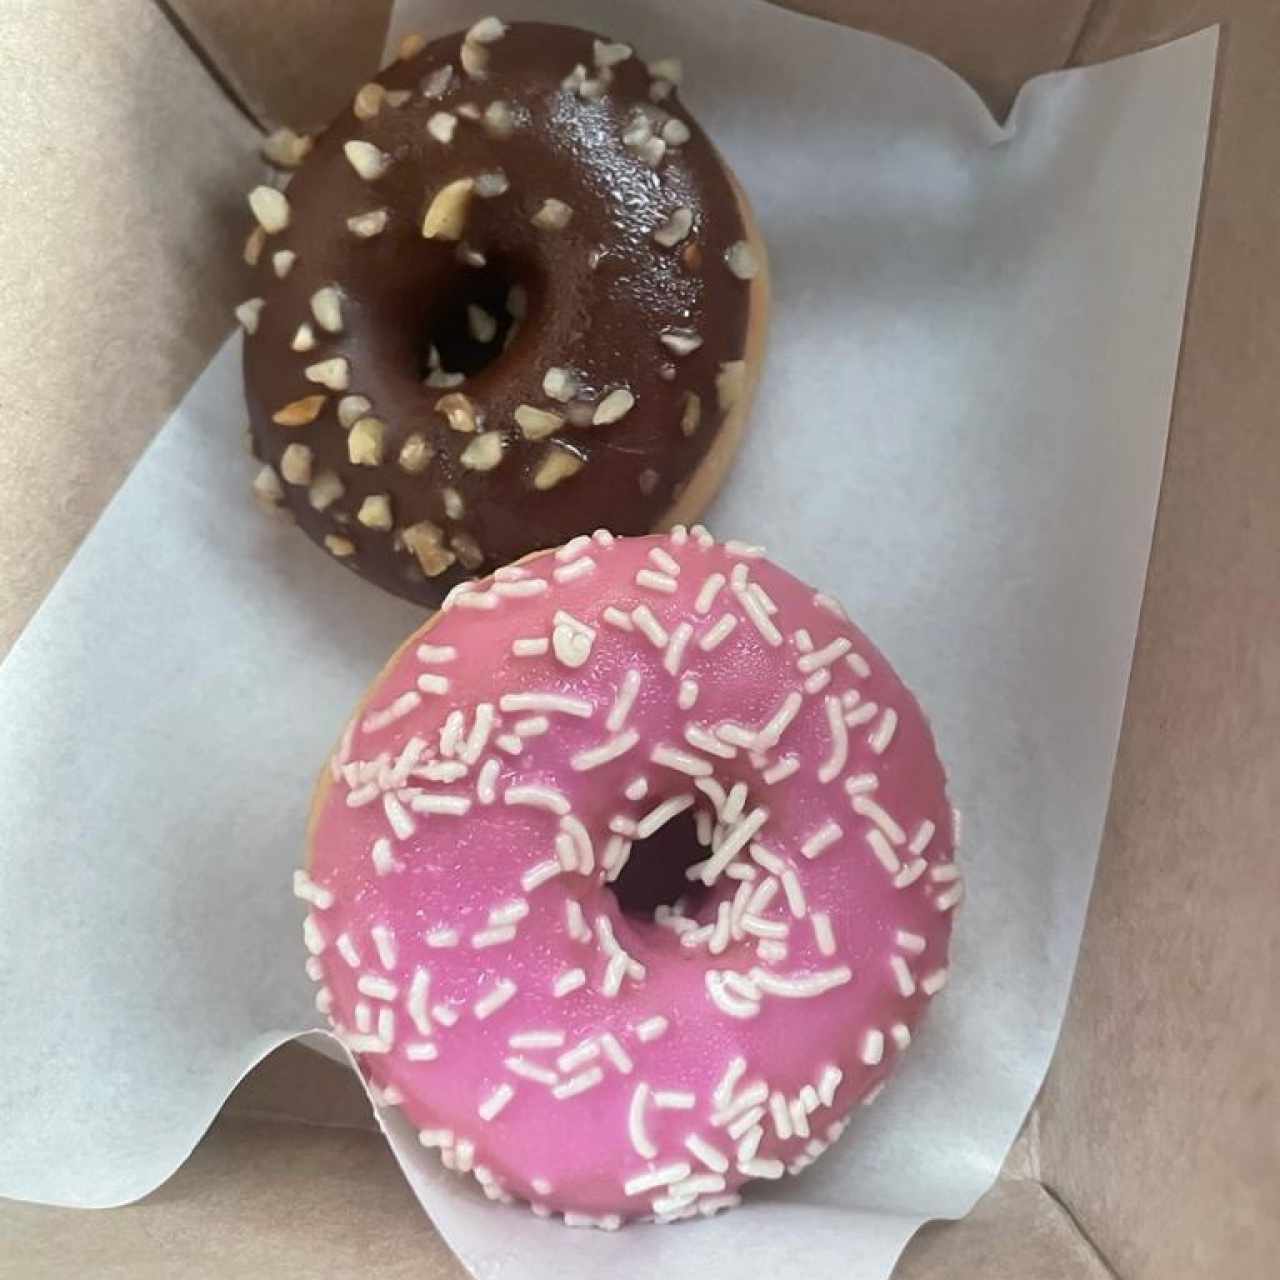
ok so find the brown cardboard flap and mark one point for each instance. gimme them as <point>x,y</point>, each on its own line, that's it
<point>1161,1116</point>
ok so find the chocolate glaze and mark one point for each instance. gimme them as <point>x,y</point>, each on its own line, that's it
<point>600,293</point>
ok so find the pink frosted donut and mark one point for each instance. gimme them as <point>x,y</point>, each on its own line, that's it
<point>631,877</point>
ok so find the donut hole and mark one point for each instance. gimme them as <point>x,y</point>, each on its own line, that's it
<point>654,875</point>
<point>471,320</point>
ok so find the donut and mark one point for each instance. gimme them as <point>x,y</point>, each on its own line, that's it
<point>510,295</point>
<point>631,876</point>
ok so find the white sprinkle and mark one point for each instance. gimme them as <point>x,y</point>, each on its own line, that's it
<point>616,852</point>
<point>780,721</point>
<point>688,693</point>
<point>781,770</point>
<point>663,813</point>
<point>578,569</point>
<point>306,889</point>
<point>530,1071</point>
<point>384,943</point>
<point>347,950</point>
<point>579,1055</point>
<point>616,1054</point>
<point>569,980</point>
<point>532,726</point>
<point>635,1123</point>
<point>387,1026</point>
<point>719,633</point>
<point>675,1099</point>
<point>324,1001</point>
<point>643,617</point>
<point>530,646</point>
<point>651,1028</point>
<point>882,735</point>
<point>623,702</point>
<point>818,681</point>
<point>945,901</point>
<point>520,588</point>
<point>665,561</point>
<point>312,936</point>
<point>743,550</point>
<point>429,653</point>
<point>675,649</point>
<point>748,1120</point>
<point>759,618</point>
<point>861,714</point>
<point>509,743</point>
<point>909,874</point>
<point>681,761</point>
<point>614,972</point>
<point>493,937</point>
<point>494,999</point>
<point>616,618</point>
<point>920,841</point>
<point>720,934</point>
<point>723,1091</point>
<point>486,783</point>
<point>873,1047</point>
<point>799,1118</point>
<point>763,895</point>
<point>780,1115</point>
<point>660,1177</point>
<point>444,1014</point>
<point>416,1002</point>
<point>765,599</point>
<point>822,933</point>
<point>870,809</point>
<point>401,823</point>
<point>441,771</point>
<point>835,762</point>
<point>554,702</point>
<point>710,1155</point>
<point>439,938</point>
<point>902,976</point>
<point>494,1103</point>
<point>726,1001</point>
<point>828,1083</point>
<point>366,1043</point>
<point>911,942</point>
<point>762,1168</point>
<point>734,803</point>
<point>933,982</point>
<point>795,894</point>
<point>743,832</point>
<point>436,1137</point>
<point>801,986</point>
<point>578,1084</point>
<point>536,1039</point>
<point>594,757</point>
<point>573,548</point>
<point>536,796</point>
<point>398,709</point>
<point>463,1153</point>
<point>747,1148</point>
<point>696,736</point>
<point>759,928</point>
<point>941,872</point>
<point>900,1033</point>
<point>883,851</point>
<point>825,656</point>
<point>708,592</point>
<point>364,1016</point>
<point>314,969</point>
<point>539,874</point>
<point>452,806</point>
<point>860,784</point>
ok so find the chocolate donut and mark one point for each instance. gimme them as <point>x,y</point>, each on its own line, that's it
<point>514,294</point>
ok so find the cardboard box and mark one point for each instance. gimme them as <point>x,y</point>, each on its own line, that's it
<point>1155,1147</point>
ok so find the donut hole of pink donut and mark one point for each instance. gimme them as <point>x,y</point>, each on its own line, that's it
<point>632,877</point>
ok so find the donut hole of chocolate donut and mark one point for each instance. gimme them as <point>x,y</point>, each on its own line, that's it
<point>654,875</point>
<point>471,319</point>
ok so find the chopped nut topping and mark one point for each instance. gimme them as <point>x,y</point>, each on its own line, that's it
<point>453,505</point>
<point>426,540</point>
<point>617,404</point>
<point>498,119</point>
<point>253,246</point>
<point>442,126</point>
<point>484,452</point>
<point>647,480</point>
<point>411,45</point>
<point>535,423</point>
<point>339,546</point>
<point>333,373</point>
<point>468,256</point>
<point>729,382</point>
<point>579,413</point>
<point>675,133</point>
<point>303,339</point>
<point>575,79</point>
<point>671,69</point>
<point>271,209</point>
<point>469,553</point>
<point>375,512</point>
<point>474,58</point>
<point>295,464</point>
<point>366,159</point>
<point>285,149</point>
<point>493,184</point>
<point>325,490</point>
<point>267,487</point>
<point>610,54</point>
<point>554,215</point>
<point>741,261</point>
<point>368,225</point>
<point>364,443</point>
<point>558,464</point>
<point>247,314</point>
<point>326,306</point>
<point>351,409</point>
<point>435,84</point>
<point>298,413</point>
<point>517,302</point>
<point>480,324</point>
<point>676,227</point>
<point>442,378</point>
<point>415,455</point>
<point>468,111</point>
<point>691,414</point>
<point>594,89</point>
<point>282,262</point>
<point>652,151</point>
<point>460,410</point>
<point>446,217</point>
<point>638,132</point>
<point>560,384</point>
<point>682,341</point>
<point>396,98</point>
<point>487,31</point>
<point>660,90</point>
<point>368,101</point>
<point>691,255</point>
<point>667,371</point>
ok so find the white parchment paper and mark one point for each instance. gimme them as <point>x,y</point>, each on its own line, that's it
<point>960,431</point>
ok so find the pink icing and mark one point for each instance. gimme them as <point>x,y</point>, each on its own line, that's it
<point>652,1084</point>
